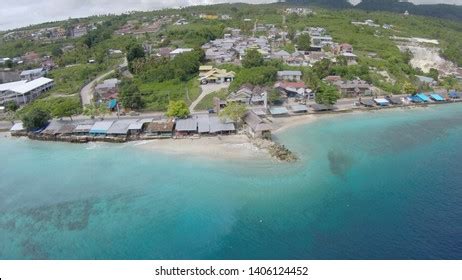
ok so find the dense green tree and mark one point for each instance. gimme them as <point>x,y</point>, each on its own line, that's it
<point>130,96</point>
<point>327,94</point>
<point>252,58</point>
<point>56,52</point>
<point>35,119</point>
<point>177,109</point>
<point>135,51</point>
<point>234,111</point>
<point>304,42</point>
<point>409,88</point>
<point>323,68</point>
<point>11,106</point>
<point>67,108</point>
<point>274,97</point>
<point>434,74</point>
<point>96,110</point>
<point>261,76</point>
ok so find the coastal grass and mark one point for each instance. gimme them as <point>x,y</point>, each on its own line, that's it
<point>207,102</point>
<point>156,95</point>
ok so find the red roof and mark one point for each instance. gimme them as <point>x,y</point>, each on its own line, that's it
<point>285,84</point>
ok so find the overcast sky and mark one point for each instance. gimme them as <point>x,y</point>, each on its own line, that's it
<point>17,13</point>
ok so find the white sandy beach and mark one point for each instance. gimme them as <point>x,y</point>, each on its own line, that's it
<point>4,134</point>
<point>237,147</point>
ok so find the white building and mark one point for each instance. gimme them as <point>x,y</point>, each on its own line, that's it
<point>23,92</point>
<point>179,51</point>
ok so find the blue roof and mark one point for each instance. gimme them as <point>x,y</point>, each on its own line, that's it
<point>436,97</point>
<point>111,104</point>
<point>423,97</point>
<point>101,127</point>
<point>415,99</point>
<point>454,95</point>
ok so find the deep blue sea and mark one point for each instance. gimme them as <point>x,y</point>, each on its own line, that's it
<point>378,185</point>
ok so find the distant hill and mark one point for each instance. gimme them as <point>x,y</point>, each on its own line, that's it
<point>336,4</point>
<point>452,12</point>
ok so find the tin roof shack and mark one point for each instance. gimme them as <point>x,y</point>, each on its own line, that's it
<point>67,129</point>
<point>136,128</point>
<point>279,111</point>
<point>120,128</point>
<point>395,100</point>
<point>160,129</point>
<point>381,102</point>
<point>454,95</point>
<point>203,124</point>
<point>100,128</point>
<point>219,126</point>
<point>256,127</point>
<point>187,126</point>
<point>321,107</point>
<point>367,103</point>
<point>107,90</point>
<point>299,109</point>
<point>82,129</point>
<point>52,130</point>
<point>18,129</point>
<point>436,97</point>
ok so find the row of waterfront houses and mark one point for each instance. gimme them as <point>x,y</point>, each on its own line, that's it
<point>129,129</point>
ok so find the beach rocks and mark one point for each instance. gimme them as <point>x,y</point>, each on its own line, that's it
<point>282,153</point>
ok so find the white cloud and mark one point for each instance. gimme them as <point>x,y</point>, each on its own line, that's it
<point>15,13</point>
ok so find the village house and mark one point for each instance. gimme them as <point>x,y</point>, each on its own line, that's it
<point>78,31</point>
<point>163,52</point>
<point>181,21</point>
<point>368,22</point>
<point>282,55</point>
<point>31,58</point>
<point>180,51</point>
<point>426,81</point>
<point>160,129</point>
<point>343,48</point>
<point>293,89</point>
<point>232,47</point>
<point>256,127</point>
<point>107,90</point>
<point>289,75</point>
<point>250,95</point>
<point>354,88</point>
<point>33,74</point>
<point>299,11</point>
<point>225,17</point>
<point>351,58</point>
<point>217,76</point>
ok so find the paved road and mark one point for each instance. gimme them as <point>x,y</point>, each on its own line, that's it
<point>206,90</point>
<point>86,94</point>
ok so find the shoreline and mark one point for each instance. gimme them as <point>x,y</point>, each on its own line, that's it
<point>236,146</point>
<point>229,147</point>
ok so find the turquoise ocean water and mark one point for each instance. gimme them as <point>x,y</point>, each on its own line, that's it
<point>380,185</point>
